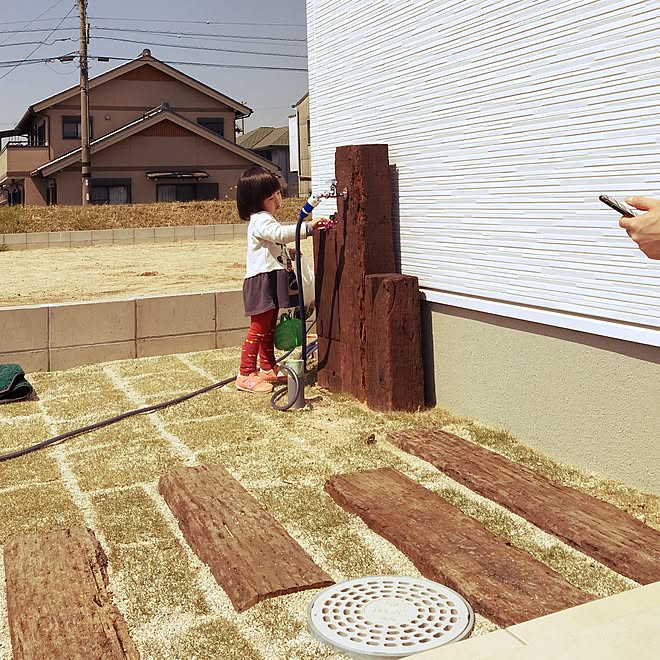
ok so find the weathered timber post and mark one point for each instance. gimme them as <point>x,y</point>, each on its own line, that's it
<point>369,321</point>
<point>395,371</point>
<point>360,245</point>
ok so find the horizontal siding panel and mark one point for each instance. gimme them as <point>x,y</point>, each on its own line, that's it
<point>505,121</point>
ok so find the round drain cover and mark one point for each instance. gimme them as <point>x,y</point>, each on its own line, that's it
<point>388,616</point>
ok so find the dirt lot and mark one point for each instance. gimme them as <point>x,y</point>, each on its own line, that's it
<point>58,275</point>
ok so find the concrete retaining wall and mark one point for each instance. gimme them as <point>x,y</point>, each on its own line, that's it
<point>60,336</point>
<point>37,240</point>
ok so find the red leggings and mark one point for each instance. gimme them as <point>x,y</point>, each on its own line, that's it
<point>259,340</point>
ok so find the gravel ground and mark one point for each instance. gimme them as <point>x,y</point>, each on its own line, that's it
<point>108,481</point>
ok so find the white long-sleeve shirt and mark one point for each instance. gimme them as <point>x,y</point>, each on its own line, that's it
<point>266,243</point>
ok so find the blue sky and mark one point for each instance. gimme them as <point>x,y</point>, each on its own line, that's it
<point>199,31</point>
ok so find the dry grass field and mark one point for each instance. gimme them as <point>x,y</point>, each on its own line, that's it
<point>77,218</point>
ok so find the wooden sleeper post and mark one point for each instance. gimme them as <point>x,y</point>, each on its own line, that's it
<point>395,371</point>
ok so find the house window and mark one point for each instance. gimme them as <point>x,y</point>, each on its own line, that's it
<point>215,124</point>
<point>309,133</point>
<point>186,192</point>
<point>175,192</point>
<point>110,191</point>
<point>37,136</point>
<point>71,127</point>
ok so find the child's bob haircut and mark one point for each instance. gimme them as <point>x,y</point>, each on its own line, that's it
<point>254,186</point>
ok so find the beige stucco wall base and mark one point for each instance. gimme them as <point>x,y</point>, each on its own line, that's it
<point>585,400</point>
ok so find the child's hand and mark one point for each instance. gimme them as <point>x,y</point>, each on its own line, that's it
<point>323,223</point>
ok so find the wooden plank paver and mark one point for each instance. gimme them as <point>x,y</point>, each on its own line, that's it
<point>249,553</point>
<point>503,583</point>
<point>57,601</point>
<point>599,529</point>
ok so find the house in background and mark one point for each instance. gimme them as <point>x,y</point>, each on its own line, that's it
<point>157,135</point>
<point>273,145</point>
<point>504,123</point>
<point>301,122</point>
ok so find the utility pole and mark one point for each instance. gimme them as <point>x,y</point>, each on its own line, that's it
<point>86,164</point>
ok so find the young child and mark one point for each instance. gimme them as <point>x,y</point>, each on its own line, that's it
<point>266,284</point>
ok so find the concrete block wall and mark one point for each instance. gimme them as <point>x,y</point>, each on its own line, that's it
<point>61,336</point>
<point>37,240</point>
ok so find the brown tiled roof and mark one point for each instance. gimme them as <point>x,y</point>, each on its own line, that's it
<point>265,137</point>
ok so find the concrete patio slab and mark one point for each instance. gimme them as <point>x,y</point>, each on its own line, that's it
<point>626,625</point>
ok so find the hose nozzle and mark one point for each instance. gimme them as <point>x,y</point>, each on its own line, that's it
<point>309,206</point>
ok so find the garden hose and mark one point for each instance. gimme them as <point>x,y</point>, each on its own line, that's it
<point>277,395</point>
<point>112,420</point>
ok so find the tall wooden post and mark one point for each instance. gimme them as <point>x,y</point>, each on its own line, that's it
<point>360,245</point>
<point>85,158</point>
<point>368,316</point>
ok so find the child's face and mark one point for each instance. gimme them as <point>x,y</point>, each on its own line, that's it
<point>273,203</point>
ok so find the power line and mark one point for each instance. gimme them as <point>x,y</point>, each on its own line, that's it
<point>197,34</point>
<point>170,33</point>
<point>13,32</point>
<point>59,73</point>
<point>151,19</point>
<point>32,43</point>
<point>37,60</point>
<point>207,48</point>
<point>39,46</point>
<point>34,20</point>
<point>16,63</point>
<point>42,60</point>
<point>218,66</point>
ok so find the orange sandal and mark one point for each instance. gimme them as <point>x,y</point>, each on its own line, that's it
<point>252,383</point>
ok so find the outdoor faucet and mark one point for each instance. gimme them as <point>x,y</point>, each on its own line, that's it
<point>332,193</point>
<point>315,200</point>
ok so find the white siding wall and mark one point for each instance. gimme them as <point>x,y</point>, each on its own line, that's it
<point>505,119</point>
<point>293,144</point>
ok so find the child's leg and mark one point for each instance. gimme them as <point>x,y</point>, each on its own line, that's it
<point>267,348</point>
<point>260,326</point>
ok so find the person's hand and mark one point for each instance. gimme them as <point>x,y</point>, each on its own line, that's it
<point>327,223</point>
<point>319,223</point>
<point>644,229</point>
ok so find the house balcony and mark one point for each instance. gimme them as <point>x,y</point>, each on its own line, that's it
<point>18,159</point>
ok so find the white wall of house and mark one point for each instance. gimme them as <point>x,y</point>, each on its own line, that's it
<point>505,120</point>
<point>293,144</point>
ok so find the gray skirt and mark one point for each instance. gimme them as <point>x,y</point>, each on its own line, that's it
<point>267,291</point>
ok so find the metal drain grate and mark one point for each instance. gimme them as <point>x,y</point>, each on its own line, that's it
<point>388,616</point>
